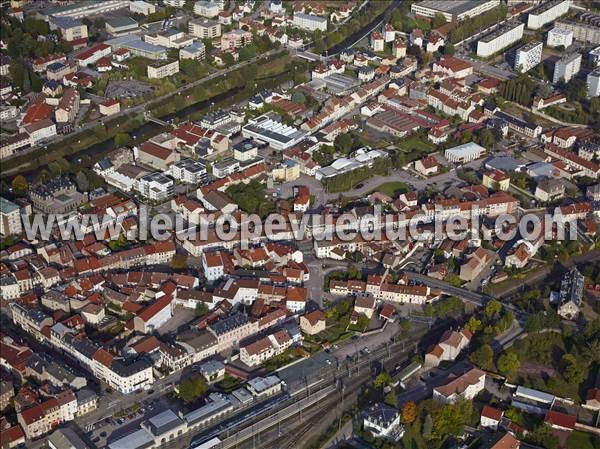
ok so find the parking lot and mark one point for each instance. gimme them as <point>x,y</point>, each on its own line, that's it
<point>127,89</point>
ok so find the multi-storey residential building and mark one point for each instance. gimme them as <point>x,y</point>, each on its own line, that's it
<point>204,28</point>
<point>162,69</point>
<point>546,12</point>
<point>566,68</point>
<point>10,218</point>
<point>584,32</point>
<point>207,8</point>
<point>500,39</point>
<point>40,131</point>
<point>70,29</point>
<point>30,320</point>
<point>464,387</point>
<point>156,156</point>
<point>267,347</point>
<point>528,56</point>
<point>189,171</point>
<point>125,376</point>
<point>452,11</point>
<point>309,22</point>
<point>155,186</point>
<point>68,106</point>
<point>229,331</point>
<point>593,83</point>
<point>559,37</point>
<point>195,51</point>
<point>236,39</point>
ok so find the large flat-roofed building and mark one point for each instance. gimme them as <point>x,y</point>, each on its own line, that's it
<point>268,129</point>
<point>309,22</point>
<point>141,7</point>
<point>10,218</point>
<point>566,67</point>
<point>528,56</point>
<point>464,153</point>
<point>500,39</point>
<point>138,47</point>
<point>162,69</point>
<point>204,28</point>
<point>546,12</point>
<point>121,25</point>
<point>453,10</point>
<point>557,37</point>
<point>171,38</point>
<point>81,9</point>
<point>340,84</point>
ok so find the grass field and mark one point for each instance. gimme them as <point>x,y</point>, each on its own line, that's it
<point>414,142</point>
<point>392,189</point>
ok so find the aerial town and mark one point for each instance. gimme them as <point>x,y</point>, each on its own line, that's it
<point>321,224</point>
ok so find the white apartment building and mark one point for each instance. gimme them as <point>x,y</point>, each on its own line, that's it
<point>207,8</point>
<point>204,28</point>
<point>558,36</point>
<point>188,171</point>
<point>195,51</point>
<point>155,186</point>
<point>528,56</point>
<point>40,131</point>
<point>593,83</point>
<point>452,10</point>
<point>566,68</point>
<point>70,29</point>
<point>162,69</point>
<point>309,22</point>
<point>500,39</point>
<point>546,12</point>
<point>141,7</point>
<point>10,218</point>
<point>125,378</point>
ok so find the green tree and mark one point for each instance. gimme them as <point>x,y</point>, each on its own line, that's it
<point>122,139</point>
<point>508,363</point>
<point>192,388</point>
<point>201,309</point>
<point>474,324</point>
<point>82,181</point>
<point>572,371</point>
<point>483,357</point>
<point>492,309</point>
<point>20,185</point>
<point>343,143</point>
<point>382,379</point>
<point>391,399</point>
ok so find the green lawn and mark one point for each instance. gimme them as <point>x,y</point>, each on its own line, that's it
<point>392,189</point>
<point>581,440</point>
<point>416,142</point>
